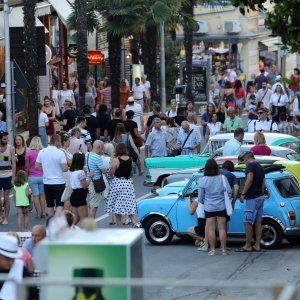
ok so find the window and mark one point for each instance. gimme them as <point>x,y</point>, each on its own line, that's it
<point>293,156</point>
<point>291,145</point>
<point>241,182</point>
<point>287,187</point>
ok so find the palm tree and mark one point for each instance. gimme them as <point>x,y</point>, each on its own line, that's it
<point>31,65</point>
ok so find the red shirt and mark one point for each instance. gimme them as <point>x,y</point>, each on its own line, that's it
<point>261,150</point>
<point>239,93</point>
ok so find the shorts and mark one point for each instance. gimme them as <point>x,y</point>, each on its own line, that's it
<point>53,193</point>
<point>212,214</point>
<point>200,228</point>
<point>93,198</point>
<point>36,185</point>
<point>239,103</point>
<point>78,197</point>
<point>5,183</point>
<point>253,211</point>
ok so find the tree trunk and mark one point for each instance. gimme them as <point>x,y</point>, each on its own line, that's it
<point>31,69</point>
<point>114,53</point>
<point>82,59</point>
<point>151,38</point>
<point>188,45</point>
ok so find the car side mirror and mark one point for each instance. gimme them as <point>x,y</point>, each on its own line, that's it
<point>180,195</point>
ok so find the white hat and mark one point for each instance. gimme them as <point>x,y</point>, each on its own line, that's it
<point>9,246</point>
<point>130,99</point>
<point>278,77</point>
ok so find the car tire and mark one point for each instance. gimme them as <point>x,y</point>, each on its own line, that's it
<point>293,239</point>
<point>158,231</point>
<point>272,234</point>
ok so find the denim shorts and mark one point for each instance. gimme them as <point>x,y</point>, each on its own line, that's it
<point>36,185</point>
<point>254,210</point>
<point>239,103</point>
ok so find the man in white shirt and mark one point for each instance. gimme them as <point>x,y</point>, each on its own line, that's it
<point>147,86</point>
<point>139,92</point>
<point>76,144</point>
<point>233,146</point>
<point>263,123</point>
<point>138,113</point>
<point>53,162</point>
<point>232,75</point>
<point>264,94</point>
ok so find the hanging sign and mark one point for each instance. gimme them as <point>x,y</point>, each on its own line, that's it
<point>95,57</point>
<point>72,50</point>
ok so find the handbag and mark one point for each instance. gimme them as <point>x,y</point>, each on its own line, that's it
<point>99,184</point>
<point>228,204</point>
<point>177,152</point>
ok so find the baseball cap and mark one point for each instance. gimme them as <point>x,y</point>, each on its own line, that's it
<point>130,99</point>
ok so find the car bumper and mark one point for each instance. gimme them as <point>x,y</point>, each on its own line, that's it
<point>292,231</point>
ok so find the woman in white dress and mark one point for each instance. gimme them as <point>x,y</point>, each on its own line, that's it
<point>64,94</point>
<point>213,127</point>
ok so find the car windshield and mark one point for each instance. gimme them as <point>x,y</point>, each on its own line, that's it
<point>293,156</point>
<point>215,145</point>
<point>291,145</point>
<point>288,187</point>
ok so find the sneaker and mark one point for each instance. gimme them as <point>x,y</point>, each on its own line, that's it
<point>203,247</point>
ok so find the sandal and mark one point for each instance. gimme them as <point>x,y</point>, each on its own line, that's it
<point>224,252</point>
<point>212,252</point>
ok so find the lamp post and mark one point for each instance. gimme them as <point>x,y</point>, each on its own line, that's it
<point>162,67</point>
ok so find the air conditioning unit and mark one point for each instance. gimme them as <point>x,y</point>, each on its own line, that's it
<point>232,27</point>
<point>201,27</point>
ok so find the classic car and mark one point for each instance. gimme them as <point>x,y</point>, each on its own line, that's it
<point>157,168</point>
<point>167,215</point>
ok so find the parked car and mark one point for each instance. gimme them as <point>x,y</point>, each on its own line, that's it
<point>157,168</point>
<point>292,167</point>
<point>164,216</point>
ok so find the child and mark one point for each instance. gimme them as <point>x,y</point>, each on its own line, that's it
<point>23,202</point>
<point>252,115</point>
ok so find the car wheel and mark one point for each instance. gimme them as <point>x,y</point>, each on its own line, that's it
<point>158,231</point>
<point>293,239</point>
<point>272,234</point>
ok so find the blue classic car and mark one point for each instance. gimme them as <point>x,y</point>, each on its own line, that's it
<point>167,215</point>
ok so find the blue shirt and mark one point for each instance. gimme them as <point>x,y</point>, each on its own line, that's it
<point>211,193</point>
<point>232,147</point>
<point>3,126</point>
<point>94,162</point>
<point>191,141</point>
<point>157,141</point>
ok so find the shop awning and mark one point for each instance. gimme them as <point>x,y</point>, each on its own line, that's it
<point>63,9</point>
<point>271,43</point>
<point>42,9</point>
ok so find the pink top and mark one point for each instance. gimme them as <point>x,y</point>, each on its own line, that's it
<point>261,150</point>
<point>31,156</point>
<point>26,256</point>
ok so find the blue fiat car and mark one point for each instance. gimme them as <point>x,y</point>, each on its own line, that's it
<point>167,215</point>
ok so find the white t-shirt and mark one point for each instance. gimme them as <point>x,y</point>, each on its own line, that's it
<point>43,119</point>
<point>138,91</point>
<point>214,128</point>
<point>232,147</point>
<point>75,178</point>
<point>138,113</point>
<point>147,87</point>
<point>232,76</point>
<point>264,96</point>
<point>279,100</point>
<point>200,211</point>
<point>258,125</point>
<point>171,114</point>
<point>52,159</point>
<point>64,95</point>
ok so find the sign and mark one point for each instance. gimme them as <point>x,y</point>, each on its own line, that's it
<point>95,57</point>
<point>72,51</point>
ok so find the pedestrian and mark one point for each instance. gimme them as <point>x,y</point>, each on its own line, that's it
<point>139,92</point>
<point>35,177</point>
<point>124,93</point>
<point>92,125</point>
<point>286,127</point>
<point>188,140</point>
<point>20,150</point>
<point>191,118</point>
<point>211,194</point>
<point>233,146</point>
<point>80,184</point>
<point>3,125</point>
<point>213,127</point>
<point>264,94</point>
<point>64,94</point>
<point>94,164</point>
<point>272,74</point>
<point>156,143</point>
<point>189,108</point>
<point>106,93</point>
<point>7,174</point>
<point>222,112</point>
<point>210,109</point>
<point>49,110</point>
<point>53,163</point>
<point>38,233</point>
<point>147,86</point>
<point>132,127</point>
<point>91,93</point>
<point>43,122</point>
<point>180,117</point>
<point>110,128</point>
<point>155,114</point>
<point>278,102</point>
<point>22,195</point>
<point>172,133</point>
<point>232,122</point>
<point>253,192</point>
<point>137,113</point>
<point>260,148</point>
<point>263,123</point>
<point>103,119</point>
<point>260,79</point>
<point>172,112</point>
<point>13,267</point>
<point>121,197</point>
<point>228,95</point>
<point>76,144</point>
<point>240,95</point>
<point>68,116</point>
<point>96,110</point>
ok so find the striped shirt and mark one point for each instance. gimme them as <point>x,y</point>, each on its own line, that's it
<point>286,128</point>
<point>93,162</point>
<point>107,96</point>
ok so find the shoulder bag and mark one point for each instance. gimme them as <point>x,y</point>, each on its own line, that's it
<point>177,152</point>
<point>228,204</point>
<point>99,184</point>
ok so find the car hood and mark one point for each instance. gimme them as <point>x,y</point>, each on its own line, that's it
<point>172,188</point>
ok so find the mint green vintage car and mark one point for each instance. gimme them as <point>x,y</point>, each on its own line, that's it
<point>158,168</point>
